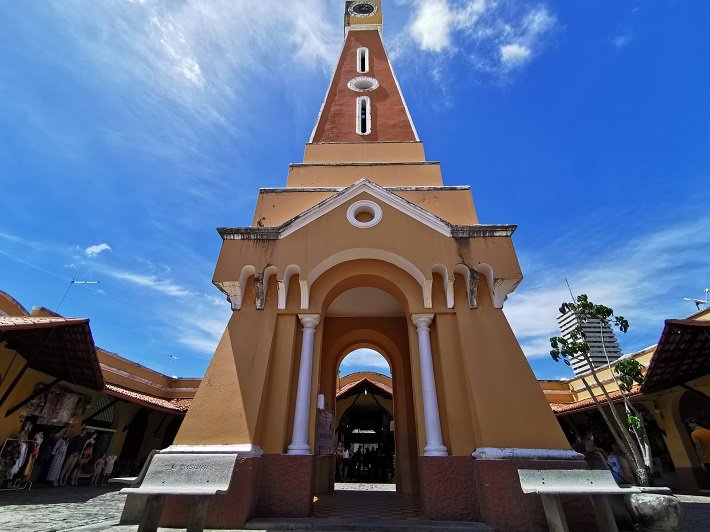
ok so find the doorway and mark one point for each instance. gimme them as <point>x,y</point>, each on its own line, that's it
<point>364,414</point>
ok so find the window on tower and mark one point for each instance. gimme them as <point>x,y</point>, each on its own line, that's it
<point>363,60</point>
<point>363,124</point>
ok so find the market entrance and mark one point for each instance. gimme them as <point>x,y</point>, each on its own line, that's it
<point>373,403</point>
<point>365,443</point>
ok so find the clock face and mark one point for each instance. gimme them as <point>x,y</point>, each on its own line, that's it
<point>363,9</point>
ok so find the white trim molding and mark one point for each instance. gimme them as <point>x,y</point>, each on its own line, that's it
<point>241,449</point>
<point>377,192</point>
<point>515,453</point>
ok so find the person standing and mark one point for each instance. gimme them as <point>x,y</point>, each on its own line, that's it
<point>701,439</point>
<point>346,463</point>
<point>59,451</point>
<point>76,445</point>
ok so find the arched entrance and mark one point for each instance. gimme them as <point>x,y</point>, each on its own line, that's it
<point>364,419</point>
<point>371,311</point>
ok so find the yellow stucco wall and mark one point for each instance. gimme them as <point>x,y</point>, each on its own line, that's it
<point>384,174</point>
<point>364,152</point>
<point>274,207</point>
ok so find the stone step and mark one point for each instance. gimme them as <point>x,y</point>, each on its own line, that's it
<point>331,524</point>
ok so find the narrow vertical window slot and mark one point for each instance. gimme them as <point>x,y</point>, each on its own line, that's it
<point>363,60</point>
<point>363,125</point>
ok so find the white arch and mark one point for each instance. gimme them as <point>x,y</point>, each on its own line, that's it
<point>447,283</point>
<point>364,253</point>
<point>269,272</point>
<point>498,288</point>
<point>291,270</point>
<point>236,298</point>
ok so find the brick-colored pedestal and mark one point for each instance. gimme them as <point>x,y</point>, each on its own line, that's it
<point>461,488</point>
<point>447,488</point>
<point>269,486</point>
<point>285,486</point>
<point>505,507</point>
<point>225,511</point>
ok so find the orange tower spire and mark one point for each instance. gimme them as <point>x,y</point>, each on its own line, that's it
<point>364,102</point>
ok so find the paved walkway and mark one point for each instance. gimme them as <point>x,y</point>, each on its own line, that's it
<point>87,509</point>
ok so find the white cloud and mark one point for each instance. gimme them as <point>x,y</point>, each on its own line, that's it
<point>622,40</point>
<point>640,279</point>
<point>496,36</point>
<point>198,56</point>
<point>12,238</point>
<point>514,55</point>
<point>93,251</point>
<point>431,27</point>
<point>151,281</point>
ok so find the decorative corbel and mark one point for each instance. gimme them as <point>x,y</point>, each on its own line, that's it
<point>233,291</point>
<point>428,284</point>
<point>260,294</point>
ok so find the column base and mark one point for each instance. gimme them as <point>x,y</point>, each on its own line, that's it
<point>299,449</point>
<point>436,450</point>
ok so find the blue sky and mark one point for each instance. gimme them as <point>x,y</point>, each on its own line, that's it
<point>130,130</point>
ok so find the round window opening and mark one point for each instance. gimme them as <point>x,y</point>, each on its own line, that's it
<point>363,84</point>
<point>364,214</point>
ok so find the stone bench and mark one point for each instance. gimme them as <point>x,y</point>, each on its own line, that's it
<point>201,475</point>
<point>598,484</point>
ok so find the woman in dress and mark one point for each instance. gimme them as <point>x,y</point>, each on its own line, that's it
<point>59,451</point>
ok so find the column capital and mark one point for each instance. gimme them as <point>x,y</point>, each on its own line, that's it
<point>309,321</point>
<point>422,320</point>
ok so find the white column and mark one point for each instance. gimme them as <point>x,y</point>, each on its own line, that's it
<point>432,424</point>
<point>299,440</point>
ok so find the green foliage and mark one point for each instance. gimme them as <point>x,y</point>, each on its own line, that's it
<point>629,372</point>
<point>634,422</point>
<point>576,345</point>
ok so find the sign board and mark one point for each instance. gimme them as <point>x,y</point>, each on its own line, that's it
<point>325,433</point>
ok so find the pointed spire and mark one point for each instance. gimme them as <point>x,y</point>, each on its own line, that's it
<point>364,102</point>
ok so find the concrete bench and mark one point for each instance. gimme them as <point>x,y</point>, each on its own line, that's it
<point>197,474</point>
<point>134,481</point>
<point>599,484</point>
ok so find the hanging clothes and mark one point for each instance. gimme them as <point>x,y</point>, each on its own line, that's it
<point>10,455</point>
<point>58,453</point>
<point>32,453</point>
<point>20,459</point>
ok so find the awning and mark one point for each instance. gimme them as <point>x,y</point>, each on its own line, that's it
<point>177,406</point>
<point>682,355</point>
<point>60,347</point>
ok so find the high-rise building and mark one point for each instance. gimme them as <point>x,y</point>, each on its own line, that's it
<point>603,345</point>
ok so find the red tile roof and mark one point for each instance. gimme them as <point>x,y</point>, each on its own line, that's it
<point>350,386</point>
<point>167,405</point>
<point>586,404</point>
<point>60,347</point>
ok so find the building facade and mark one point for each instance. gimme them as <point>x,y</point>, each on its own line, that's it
<point>366,217</point>
<point>55,382</point>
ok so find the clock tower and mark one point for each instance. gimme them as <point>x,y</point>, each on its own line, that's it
<point>366,247</point>
<point>361,14</point>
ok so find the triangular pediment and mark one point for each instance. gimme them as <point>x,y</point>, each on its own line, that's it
<point>367,187</point>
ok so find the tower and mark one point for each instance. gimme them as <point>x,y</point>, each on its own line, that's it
<point>365,217</point>
<point>603,345</point>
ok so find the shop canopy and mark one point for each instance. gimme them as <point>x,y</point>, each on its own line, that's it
<point>682,355</point>
<point>60,347</point>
